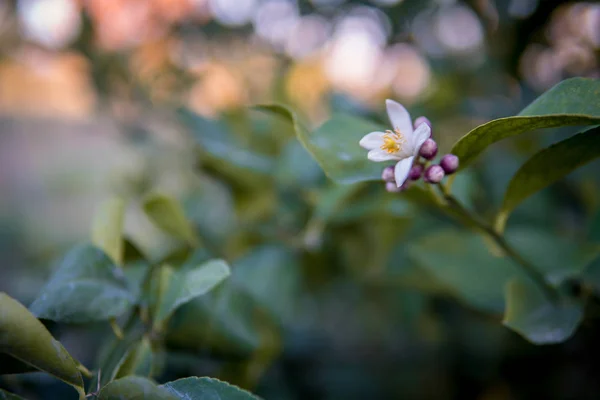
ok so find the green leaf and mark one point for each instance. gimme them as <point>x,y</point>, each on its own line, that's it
<point>461,261</point>
<point>9,396</point>
<point>532,315</point>
<point>548,166</point>
<point>116,352</point>
<point>240,315</point>
<point>134,388</point>
<point>168,215</point>
<point>591,275</point>
<point>107,229</point>
<point>138,361</point>
<point>224,319</point>
<point>132,253</point>
<point>267,273</point>
<point>212,211</point>
<point>296,167</point>
<point>330,200</point>
<point>571,102</point>
<point>217,141</point>
<point>334,145</point>
<point>87,286</point>
<point>557,258</point>
<point>25,338</point>
<point>184,285</point>
<point>195,388</point>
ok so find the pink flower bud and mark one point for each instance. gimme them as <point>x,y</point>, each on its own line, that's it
<point>422,120</point>
<point>388,174</point>
<point>429,149</point>
<point>449,163</point>
<point>392,188</point>
<point>434,174</point>
<point>415,172</point>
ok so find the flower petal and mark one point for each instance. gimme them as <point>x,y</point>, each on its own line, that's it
<point>400,118</point>
<point>402,169</point>
<point>420,135</point>
<point>378,155</point>
<point>371,140</point>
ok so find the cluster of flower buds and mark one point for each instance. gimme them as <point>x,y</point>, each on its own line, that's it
<point>433,173</point>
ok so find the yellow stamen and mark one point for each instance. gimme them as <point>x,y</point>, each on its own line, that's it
<point>392,141</point>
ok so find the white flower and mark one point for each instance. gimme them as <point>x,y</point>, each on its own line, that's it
<point>401,144</point>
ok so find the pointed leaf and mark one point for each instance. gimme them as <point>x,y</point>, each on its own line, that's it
<point>167,214</point>
<point>240,316</point>
<point>548,166</point>
<point>334,145</point>
<point>107,229</point>
<point>25,338</point>
<point>571,102</point>
<point>138,361</point>
<point>134,388</point>
<point>532,315</point>
<point>184,285</point>
<point>194,388</point>
<point>115,353</point>
<point>87,286</point>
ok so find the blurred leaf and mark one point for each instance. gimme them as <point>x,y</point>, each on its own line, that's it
<point>167,214</point>
<point>548,166</point>
<point>378,203</point>
<point>591,274</point>
<point>571,102</point>
<point>460,260</point>
<point>464,187</point>
<point>135,275</point>
<point>9,396</point>
<point>194,388</point>
<point>221,320</point>
<point>116,352</point>
<point>215,139</point>
<point>555,257</point>
<point>134,388</point>
<point>594,228</point>
<point>532,315</point>
<point>270,273</point>
<point>184,285</point>
<point>334,145</point>
<point>132,253</point>
<point>331,200</point>
<point>241,312</point>
<point>211,209</point>
<point>107,229</point>
<point>87,286</point>
<point>23,336</point>
<point>296,168</point>
<point>138,361</point>
<point>399,269</point>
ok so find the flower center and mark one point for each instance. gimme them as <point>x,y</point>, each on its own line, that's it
<point>392,141</point>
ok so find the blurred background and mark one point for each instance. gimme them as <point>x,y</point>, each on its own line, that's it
<point>91,100</point>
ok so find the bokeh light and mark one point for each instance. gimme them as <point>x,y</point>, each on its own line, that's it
<point>52,23</point>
